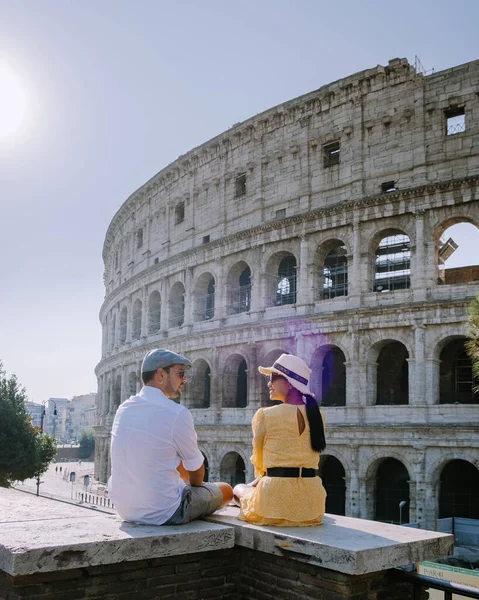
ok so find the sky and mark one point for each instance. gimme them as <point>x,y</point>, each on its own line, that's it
<point>98,96</point>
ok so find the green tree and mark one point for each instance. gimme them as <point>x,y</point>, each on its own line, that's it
<point>87,445</point>
<point>473,344</point>
<point>24,451</point>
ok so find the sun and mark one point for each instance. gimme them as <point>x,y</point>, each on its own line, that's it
<point>13,103</point>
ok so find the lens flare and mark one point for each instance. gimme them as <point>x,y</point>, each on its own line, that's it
<point>13,103</point>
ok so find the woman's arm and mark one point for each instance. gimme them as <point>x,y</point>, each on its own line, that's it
<point>259,437</point>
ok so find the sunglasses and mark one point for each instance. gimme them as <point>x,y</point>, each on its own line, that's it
<point>275,376</point>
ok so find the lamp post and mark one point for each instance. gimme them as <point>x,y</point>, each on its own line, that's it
<point>402,504</point>
<point>42,416</point>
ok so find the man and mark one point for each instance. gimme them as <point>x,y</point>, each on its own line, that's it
<point>157,468</point>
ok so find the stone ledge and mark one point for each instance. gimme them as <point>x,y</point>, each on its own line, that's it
<point>344,544</point>
<point>39,535</point>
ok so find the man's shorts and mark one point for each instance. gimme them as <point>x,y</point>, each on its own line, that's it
<point>196,502</point>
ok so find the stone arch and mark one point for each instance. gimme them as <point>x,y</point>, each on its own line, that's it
<point>206,463</point>
<point>116,392</point>
<point>154,312</point>
<point>238,288</point>
<point>392,379</point>
<point>233,469</point>
<point>123,325</point>
<point>176,305</point>
<point>204,297</point>
<point>136,319</point>
<point>459,490</point>
<point>331,262</point>
<point>388,486</point>
<point>113,332</point>
<point>281,279</point>
<point>333,474</point>
<point>457,383</point>
<point>328,376</point>
<point>391,249</point>
<point>132,383</point>
<point>444,248</point>
<point>199,385</point>
<point>235,382</point>
<point>267,361</point>
<point>380,388</point>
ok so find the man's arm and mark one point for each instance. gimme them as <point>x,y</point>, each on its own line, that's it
<point>197,477</point>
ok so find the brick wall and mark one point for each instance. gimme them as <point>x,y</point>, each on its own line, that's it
<point>462,274</point>
<point>268,577</point>
<point>237,574</point>
<point>187,577</point>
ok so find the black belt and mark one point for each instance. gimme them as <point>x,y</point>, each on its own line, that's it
<point>291,472</point>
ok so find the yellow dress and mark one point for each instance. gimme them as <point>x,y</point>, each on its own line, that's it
<point>284,501</point>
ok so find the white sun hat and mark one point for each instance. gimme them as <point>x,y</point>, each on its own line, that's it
<point>294,369</point>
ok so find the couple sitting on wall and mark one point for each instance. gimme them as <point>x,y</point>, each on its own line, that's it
<point>157,470</point>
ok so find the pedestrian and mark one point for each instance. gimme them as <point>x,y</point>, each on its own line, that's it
<point>287,440</point>
<point>56,469</point>
<point>157,469</point>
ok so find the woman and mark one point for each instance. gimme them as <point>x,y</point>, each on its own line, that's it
<point>287,440</point>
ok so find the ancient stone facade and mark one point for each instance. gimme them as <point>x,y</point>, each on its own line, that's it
<point>315,228</point>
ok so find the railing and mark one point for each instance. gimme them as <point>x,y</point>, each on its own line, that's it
<point>423,582</point>
<point>94,499</point>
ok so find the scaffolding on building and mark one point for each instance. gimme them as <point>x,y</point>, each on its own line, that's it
<point>393,264</point>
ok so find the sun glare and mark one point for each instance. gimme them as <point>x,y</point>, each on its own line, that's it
<point>13,103</point>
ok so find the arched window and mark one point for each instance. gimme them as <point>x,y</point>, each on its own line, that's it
<point>136,322</point>
<point>198,388</point>
<point>392,375</point>
<point>207,469</point>
<point>392,489</point>
<point>242,385</point>
<point>113,333</point>
<point>123,321</point>
<point>117,392</point>
<point>205,297</point>
<point>393,263</point>
<point>456,380</point>
<point>233,470</point>
<point>332,473</point>
<point>244,299</point>
<point>335,273</point>
<point>154,312</point>
<point>235,382</point>
<point>132,379</point>
<point>239,289</point>
<point>210,300</point>
<point>286,281</point>
<point>177,305</point>
<point>459,490</point>
<point>333,378</point>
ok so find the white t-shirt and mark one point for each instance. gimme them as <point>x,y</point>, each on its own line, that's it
<point>150,435</point>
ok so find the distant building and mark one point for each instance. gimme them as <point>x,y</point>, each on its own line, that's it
<point>82,414</point>
<point>35,411</point>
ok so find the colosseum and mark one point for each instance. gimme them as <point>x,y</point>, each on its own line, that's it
<point>318,227</point>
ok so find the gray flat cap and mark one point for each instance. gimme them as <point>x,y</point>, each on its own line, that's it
<point>161,358</point>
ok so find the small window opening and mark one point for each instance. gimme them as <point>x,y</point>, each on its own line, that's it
<point>206,239</point>
<point>455,120</point>
<point>179,213</point>
<point>156,261</point>
<point>388,186</point>
<point>281,213</point>
<point>139,238</point>
<point>240,185</point>
<point>331,154</point>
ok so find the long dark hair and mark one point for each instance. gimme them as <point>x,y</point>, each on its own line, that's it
<point>316,427</point>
